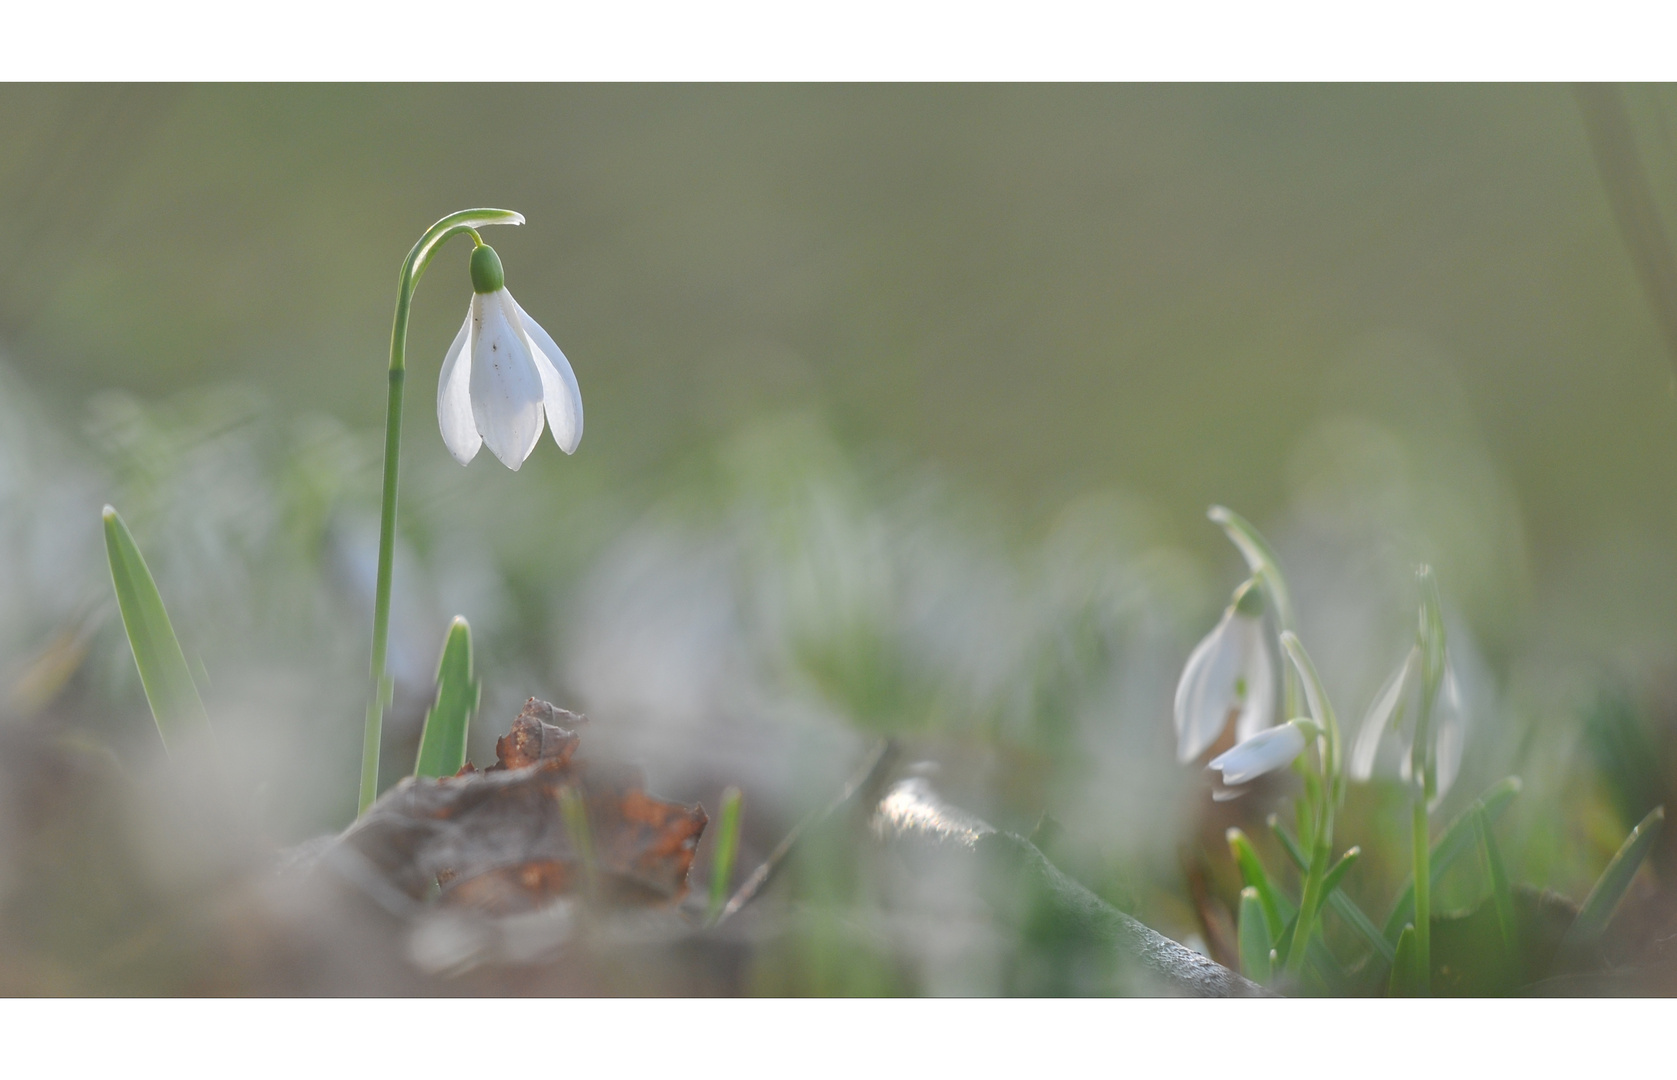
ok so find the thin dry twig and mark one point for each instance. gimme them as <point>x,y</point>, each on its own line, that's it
<point>865,778</point>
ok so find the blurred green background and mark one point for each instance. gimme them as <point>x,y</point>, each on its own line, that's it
<point>1041,289</point>
<point>1385,323</point>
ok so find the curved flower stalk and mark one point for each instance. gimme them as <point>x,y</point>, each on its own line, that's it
<point>1228,675</point>
<point>501,375</point>
<point>1260,559</point>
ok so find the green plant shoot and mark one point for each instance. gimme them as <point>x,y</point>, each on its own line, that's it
<point>442,743</point>
<point>1253,932</point>
<point>170,691</point>
<point>725,853</point>
<point>1610,888</point>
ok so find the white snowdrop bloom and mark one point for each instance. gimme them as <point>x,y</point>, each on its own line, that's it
<point>1391,720</point>
<point>502,375</point>
<point>1274,748</point>
<point>1227,675</point>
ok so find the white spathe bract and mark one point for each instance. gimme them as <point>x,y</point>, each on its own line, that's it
<point>1264,752</point>
<point>1227,674</point>
<point>501,376</point>
<point>1391,719</point>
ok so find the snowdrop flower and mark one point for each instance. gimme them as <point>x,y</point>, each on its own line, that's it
<point>1275,748</point>
<point>1227,675</point>
<point>1267,751</point>
<point>1395,708</point>
<point>501,375</point>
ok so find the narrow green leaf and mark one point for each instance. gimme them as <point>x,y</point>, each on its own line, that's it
<point>1280,915</point>
<point>1402,983</point>
<point>170,692</point>
<point>726,850</point>
<point>1337,872</point>
<point>442,743</point>
<point>1253,929</point>
<point>1502,895</point>
<point>1456,839</point>
<point>1610,888</point>
<point>1291,846</point>
<point>1277,908</point>
<point>1346,907</point>
<point>1316,955</point>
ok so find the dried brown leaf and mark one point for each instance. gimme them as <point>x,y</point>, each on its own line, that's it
<point>496,840</point>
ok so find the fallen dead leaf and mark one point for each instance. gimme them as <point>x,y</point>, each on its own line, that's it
<point>497,841</point>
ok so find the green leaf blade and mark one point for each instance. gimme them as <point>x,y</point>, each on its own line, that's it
<point>1346,907</point>
<point>1403,982</point>
<point>1457,838</point>
<point>1610,888</point>
<point>1253,935</point>
<point>1336,874</point>
<point>170,691</point>
<point>725,852</point>
<point>1278,910</point>
<point>1502,894</point>
<point>442,744</point>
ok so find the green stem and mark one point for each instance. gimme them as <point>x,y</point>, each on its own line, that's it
<point>380,688</point>
<point>1423,771</point>
<point>1423,899</point>
<point>1311,898</point>
<point>1328,795</point>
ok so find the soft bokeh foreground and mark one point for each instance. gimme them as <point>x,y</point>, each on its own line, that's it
<point>904,406</point>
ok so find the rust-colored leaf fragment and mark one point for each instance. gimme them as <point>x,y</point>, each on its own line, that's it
<point>540,733</point>
<point>496,840</point>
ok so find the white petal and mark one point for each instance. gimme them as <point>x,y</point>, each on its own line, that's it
<point>1206,693</point>
<point>1264,752</point>
<point>506,387</point>
<point>1257,710</point>
<point>1386,704</point>
<point>454,397</point>
<point>561,396</point>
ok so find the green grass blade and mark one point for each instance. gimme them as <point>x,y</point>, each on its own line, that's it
<point>1285,838</point>
<point>170,691</point>
<point>1278,910</point>
<point>1337,872</point>
<point>1502,894</point>
<point>725,852</point>
<point>1456,839</point>
<point>442,744</point>
<point>1614,881</point>
<point>1253,931</point>
<point>1402,983</point>
<point>1342,904</point>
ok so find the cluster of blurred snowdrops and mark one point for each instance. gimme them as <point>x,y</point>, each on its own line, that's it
<point>768,623</point>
